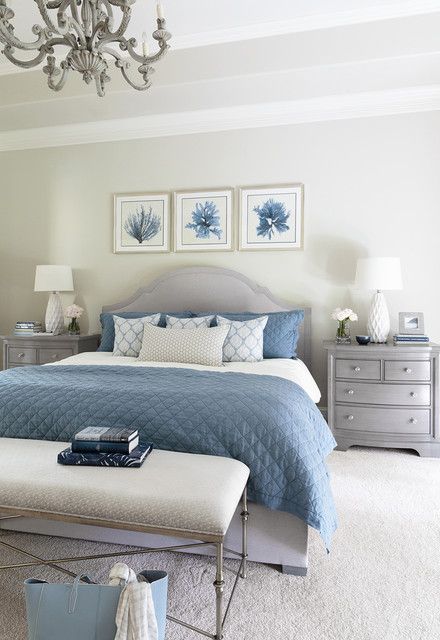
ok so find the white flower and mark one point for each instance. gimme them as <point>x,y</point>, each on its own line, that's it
<point>334,314</point>
<point>353,317</point>
<point>74,311</point>
<point>342,315</point>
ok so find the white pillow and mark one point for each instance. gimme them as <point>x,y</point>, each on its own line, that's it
<point>192,346</point>
<point>129,333</point>
<point>244,342</point>
<point>188,323</point>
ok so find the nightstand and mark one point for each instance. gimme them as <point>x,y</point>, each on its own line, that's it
<point>19,351</point>
<point>383,395</point>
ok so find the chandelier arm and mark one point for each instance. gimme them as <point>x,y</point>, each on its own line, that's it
<point>24,64</point>
<point>99,85</point>
<point>74,24</point>
<point>53,4</point>
<point>125,21</point>
<point>43,9</point>
<point>138,87</point>
<point>57,86</point>
<point>127,45</point>
<point>9,38</point>
<point>110,17</point>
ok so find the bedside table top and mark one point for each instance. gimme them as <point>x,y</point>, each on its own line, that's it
<point>61,337</point>
<point>377,347</point>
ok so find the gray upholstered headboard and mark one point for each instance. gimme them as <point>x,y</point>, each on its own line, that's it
<point>212,289</point>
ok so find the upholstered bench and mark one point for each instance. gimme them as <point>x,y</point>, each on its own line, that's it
<point>179,494</point>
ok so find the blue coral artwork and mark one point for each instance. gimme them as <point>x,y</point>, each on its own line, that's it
<point>203,220</point>
<point>271,217</point>
<point>142,223</point>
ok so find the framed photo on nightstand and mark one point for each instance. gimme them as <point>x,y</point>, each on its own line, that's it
<point>411,322</point>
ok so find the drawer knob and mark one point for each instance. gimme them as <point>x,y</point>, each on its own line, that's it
<point>413,394</point>
<point>350,392</point>
<point>413,420</point>
<point>21,355</point>
<point>350,417</point>
<point>357,369</point>
<point>408,370</point>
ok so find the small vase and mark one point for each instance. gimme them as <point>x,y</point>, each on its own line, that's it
<point>73,327</point>
<point>343,332</point>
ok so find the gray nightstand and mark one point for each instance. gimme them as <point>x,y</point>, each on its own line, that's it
<point>19,351</point>
<point>383,395</point>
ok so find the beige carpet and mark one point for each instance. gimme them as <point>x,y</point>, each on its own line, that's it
<point>381,581</point>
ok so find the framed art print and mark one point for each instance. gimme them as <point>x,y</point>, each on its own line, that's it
<point>271,217</point>
<point>411,323</point>
<point>203,220</point>
<point>142,223</point>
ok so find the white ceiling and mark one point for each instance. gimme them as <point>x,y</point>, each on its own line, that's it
<point>296,57</point>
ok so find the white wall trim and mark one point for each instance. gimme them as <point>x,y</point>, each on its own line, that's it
<point>305,23</point>
<point>334,107</point>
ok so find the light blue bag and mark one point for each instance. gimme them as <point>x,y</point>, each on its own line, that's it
<point>85,611</point>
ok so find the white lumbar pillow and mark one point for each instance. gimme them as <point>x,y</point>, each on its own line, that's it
<point>244,342</point>
<point>188,323</point>
<point>192,346</point>
<point>129,333</point>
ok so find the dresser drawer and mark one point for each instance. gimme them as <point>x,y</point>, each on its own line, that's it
<point>53,355</point>
<point>361,369</point>
<point>371,393</point>
<point>22,355</point>
<point>407,370</point>
<point>403,421</point>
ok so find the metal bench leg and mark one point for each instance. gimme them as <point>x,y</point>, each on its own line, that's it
<point>219,584</point>
<point>244,521</point>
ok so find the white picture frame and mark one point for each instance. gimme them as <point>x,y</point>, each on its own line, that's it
<point>203,220</point>
<point>142,223</point>
<point>411,323</point>
<point>261,207</point>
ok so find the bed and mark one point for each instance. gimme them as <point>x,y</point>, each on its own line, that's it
<point>281,390</point>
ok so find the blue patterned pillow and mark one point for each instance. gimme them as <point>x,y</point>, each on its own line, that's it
<point>129,333</point>
<point>244,342</point>
<point>108,325</point>
<point>280,334</point>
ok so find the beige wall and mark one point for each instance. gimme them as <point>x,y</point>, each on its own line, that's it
<point>371,188</point>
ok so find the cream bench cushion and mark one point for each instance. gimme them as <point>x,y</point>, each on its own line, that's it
<point>178,492</point>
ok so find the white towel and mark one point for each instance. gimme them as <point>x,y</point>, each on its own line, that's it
<point>135,617</point>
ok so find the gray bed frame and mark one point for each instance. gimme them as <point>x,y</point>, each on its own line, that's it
<point>275,537</point>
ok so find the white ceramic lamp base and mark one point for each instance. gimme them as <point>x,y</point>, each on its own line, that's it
<point>378,325</point>
<point>54,315</point>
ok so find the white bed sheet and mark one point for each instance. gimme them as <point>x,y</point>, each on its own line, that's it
<point>294,370</point>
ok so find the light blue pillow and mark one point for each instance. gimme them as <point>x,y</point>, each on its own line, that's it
<point>244,342</point>
<point>129,333</point>
<point>108,325</point>
<point>280,334</point>
<point>174,322</point>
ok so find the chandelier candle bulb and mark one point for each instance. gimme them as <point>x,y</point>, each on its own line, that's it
<point>145,49</point>
<point>160,13</point>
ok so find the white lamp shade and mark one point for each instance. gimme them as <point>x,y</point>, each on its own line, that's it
<point>53,277</point>
<point>378,273</point>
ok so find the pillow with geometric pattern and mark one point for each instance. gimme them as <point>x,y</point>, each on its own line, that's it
<point>188,323</point>
<point>129,333</point>
<point>244,342</point>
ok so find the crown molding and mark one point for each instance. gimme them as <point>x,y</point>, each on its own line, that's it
<point>251,116</point>
<point>311,22</point>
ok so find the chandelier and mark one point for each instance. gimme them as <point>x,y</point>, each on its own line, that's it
<point>88,29</point>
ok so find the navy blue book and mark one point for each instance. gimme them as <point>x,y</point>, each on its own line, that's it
<point>94,446</point>
<point>135,459</point>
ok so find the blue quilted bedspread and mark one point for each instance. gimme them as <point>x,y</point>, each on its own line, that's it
<point>269,423</point>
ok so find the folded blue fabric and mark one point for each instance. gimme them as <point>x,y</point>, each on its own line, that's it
<point>108,324</point>
<point>280,334</point>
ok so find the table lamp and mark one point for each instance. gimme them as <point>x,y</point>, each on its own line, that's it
<point>54,278</point>
<point>379,274</point>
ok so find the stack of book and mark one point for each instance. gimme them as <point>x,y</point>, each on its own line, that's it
<point>410,338</point>
<point>106,447</point>
<point>28,328</point>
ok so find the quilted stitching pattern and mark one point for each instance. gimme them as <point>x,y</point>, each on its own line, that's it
<point>244,342</point>
<point>191,346</point>
<point>188,323</point>
<point>268,423</point>
<point>129,333</point>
